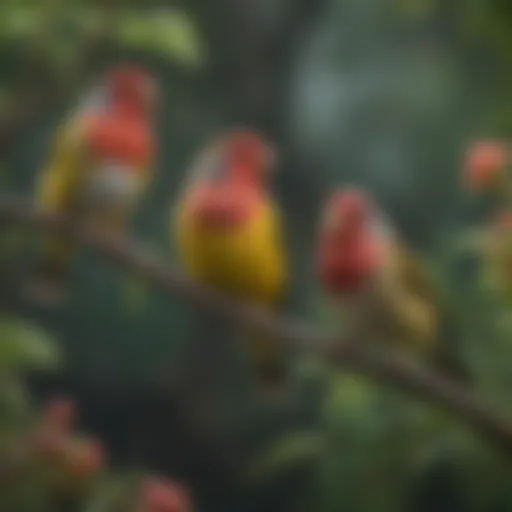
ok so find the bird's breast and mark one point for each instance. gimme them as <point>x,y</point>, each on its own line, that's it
<point>240,256</point>
<point>223,209</point>
<point>346,270</point>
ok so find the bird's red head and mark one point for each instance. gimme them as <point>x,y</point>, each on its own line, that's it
<point>232,179</point>
<point>346,213</point>
<point>248,156</point>
<point>348,253</point>
<point>486,165</point>
<point>132,89</point>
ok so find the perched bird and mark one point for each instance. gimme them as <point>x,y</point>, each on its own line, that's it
<point>229,234</point>
<point>381,285</point>
<point>100,166</point>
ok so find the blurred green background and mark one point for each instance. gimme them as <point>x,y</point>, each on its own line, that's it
<point>380,93</point>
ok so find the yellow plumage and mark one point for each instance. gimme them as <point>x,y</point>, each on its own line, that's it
<point>59,180</point>
<point>247,262</point>
<point>71,169</point>
<point>403,307</point>
<point>71,183</point>
<point>410,299</point>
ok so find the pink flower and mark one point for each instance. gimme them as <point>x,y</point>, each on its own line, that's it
<point>84,458</point>
<point>49,443</point>
<point>486,162</point>
<point>60,413</point>
<point>162,495</point>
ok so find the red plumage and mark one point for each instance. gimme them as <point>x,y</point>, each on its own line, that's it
<point>132,88</point>
<point>225,205</point>
<point>122,132</point>
<point>229,198</point>
<point>114,137</point>
<point>349,252</point>
<point>346,266</point>
<point>248,156</point>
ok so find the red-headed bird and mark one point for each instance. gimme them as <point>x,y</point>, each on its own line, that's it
<point>381,285</point>
<point>100,166</point>
<point>229,233</point>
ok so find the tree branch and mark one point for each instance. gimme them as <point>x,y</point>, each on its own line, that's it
<point>419,382</point>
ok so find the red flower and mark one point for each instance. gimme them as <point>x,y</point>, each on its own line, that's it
<point>161,495</point>
<point>60,413</point>
<point>486,162</point>
<point>49,443</point>
<point>84,458</point>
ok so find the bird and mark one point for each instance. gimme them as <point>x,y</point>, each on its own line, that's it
<point>382,286</point>
<point>100,165</point>
<point>230,236</point>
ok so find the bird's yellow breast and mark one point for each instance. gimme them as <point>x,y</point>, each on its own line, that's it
<point>247,261</point>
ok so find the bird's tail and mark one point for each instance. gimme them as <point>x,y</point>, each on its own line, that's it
<point>47,285</point>
<point>269,362</point>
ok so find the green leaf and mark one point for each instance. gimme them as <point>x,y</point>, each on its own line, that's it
<point>114,493</point>
<point>107,495</point>
<point>134,30</point>
<point>167,31</point>
<point>471,240</point>
<point>286,453</point>
<point>176,36</point>
<point>14,402</point>
<point>20,21</point>
<point>352,396</point>
<point>25,346</point>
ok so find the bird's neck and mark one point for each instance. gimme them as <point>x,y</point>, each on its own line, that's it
<point>129,112</point>
<point>244,175</point>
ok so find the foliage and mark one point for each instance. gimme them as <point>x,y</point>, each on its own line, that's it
<point>44,463</point>
<point>165,31</point>
<point>384,94</point>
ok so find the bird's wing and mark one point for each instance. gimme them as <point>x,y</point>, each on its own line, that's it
<point>58,179</point>
<point>408,266</point>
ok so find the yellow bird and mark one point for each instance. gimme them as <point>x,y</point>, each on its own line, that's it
<point>382,285</point>
<point>229,234</point>
<point>98,170</point>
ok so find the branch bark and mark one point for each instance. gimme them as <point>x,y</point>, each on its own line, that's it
<point>127,253</point>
